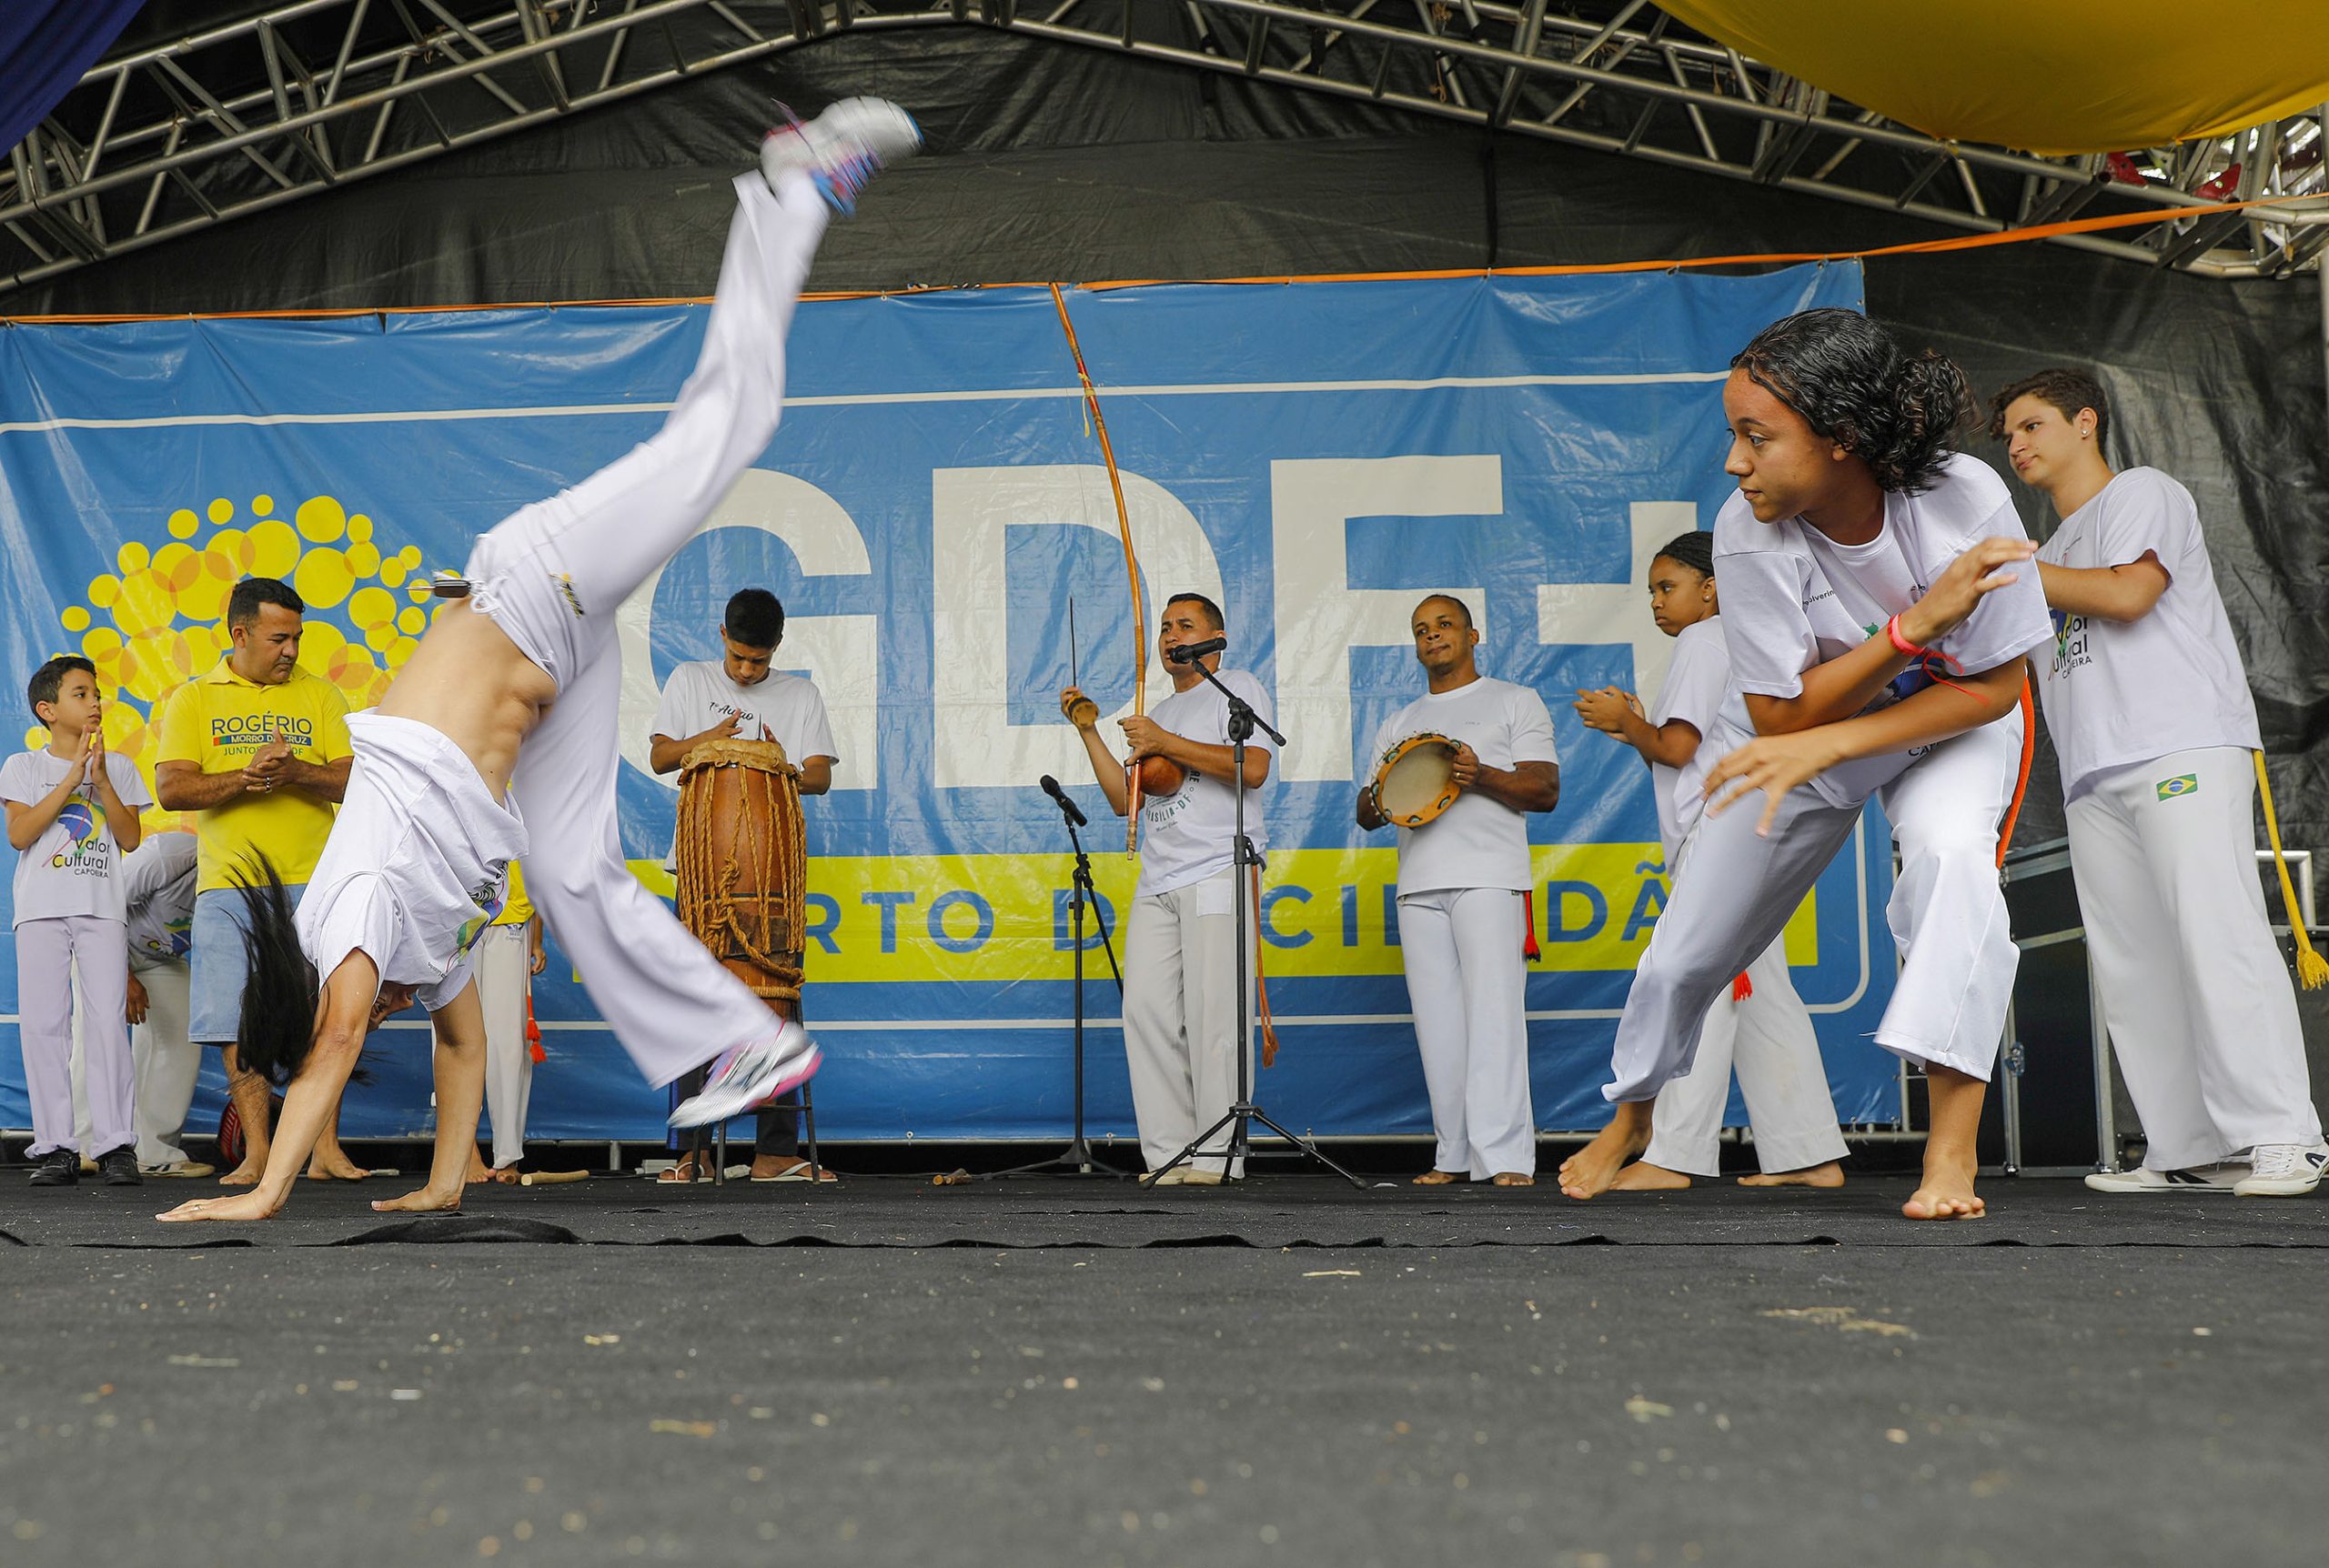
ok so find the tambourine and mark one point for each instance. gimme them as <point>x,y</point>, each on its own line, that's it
<point>1416,781</point>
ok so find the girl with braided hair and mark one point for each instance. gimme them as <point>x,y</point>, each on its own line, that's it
<point>1876,630</point>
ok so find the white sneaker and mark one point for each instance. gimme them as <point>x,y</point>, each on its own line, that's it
<point>751,1075</point>
<point>843,148</point>
<point>2199,1178</point>
<point>2283,1170</point>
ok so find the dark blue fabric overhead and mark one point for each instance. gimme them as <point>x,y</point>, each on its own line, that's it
<point>46,46</point>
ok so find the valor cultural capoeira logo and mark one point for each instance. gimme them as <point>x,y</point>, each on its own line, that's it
<point>158,620</point>
<point>90,850</point>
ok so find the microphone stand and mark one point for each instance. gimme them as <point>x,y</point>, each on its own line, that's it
<point>1077,1159</point>
<point>1239,1117</point>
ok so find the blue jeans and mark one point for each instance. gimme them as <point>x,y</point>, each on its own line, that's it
<point>220,962</point>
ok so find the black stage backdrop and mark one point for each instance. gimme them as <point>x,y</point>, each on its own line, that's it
<point>1052,162</point>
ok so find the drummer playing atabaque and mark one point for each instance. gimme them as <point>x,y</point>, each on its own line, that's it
<point>742,696</point>
<point>1464,877</point>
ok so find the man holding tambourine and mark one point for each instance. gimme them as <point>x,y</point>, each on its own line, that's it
<point>1461,768</point>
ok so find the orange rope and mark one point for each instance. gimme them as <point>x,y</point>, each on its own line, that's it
<point>1786,258</point>
<point>2022,778</point>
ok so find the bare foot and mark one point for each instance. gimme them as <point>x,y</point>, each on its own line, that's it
<point>242,1206</point>
<point>1513,1178</point>
<point>507,1175</point>
<point>1590,1171</point>
<point>421,1202</point>
<point>1641,1176</point>
<point>478,1170</point>
<point>1438,1179</point>
<point>1947,1192</point>
<point>247,1173</point>
<point>1831,1174</point>
<point>332,1165</point>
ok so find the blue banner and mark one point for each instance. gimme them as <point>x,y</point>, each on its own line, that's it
<point>1313,458</point>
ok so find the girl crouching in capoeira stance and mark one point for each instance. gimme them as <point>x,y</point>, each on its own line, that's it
<point>1758,1024</point>
<point>524,676</point>
<point>1877,649</point>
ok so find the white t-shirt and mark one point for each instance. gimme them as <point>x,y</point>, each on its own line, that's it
<point>1793,599</point>
<point>1698,684</point>
<point>71,868</point>
<point>158,882</point>
<point>1478,842</point>
<point>785,708</point>
<point>2122,692</point>
<point>1185,836</point>
<point>414,869</point>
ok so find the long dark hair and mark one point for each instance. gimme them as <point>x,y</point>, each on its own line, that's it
<point>279,986</point>
<point>1899,413</point>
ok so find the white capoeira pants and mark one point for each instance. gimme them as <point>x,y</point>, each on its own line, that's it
<point>1768,1040</point>
<point>1467,986</point>
<point>1947,914</point>
<point>163,1064</point>
<point>553,575</point>
<point>501,959</point>
<point>50,954</point>
<point>1181,1017</point>
<point>2202,1011</point>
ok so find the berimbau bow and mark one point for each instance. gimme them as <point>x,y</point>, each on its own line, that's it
<point>1131,563</point>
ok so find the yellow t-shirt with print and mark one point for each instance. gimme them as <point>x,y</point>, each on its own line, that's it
<point>216,721</point>
<point>516,908</point>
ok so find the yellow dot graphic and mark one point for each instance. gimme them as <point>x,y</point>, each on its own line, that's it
<point>154,623</point>
<point>323,577</point>
<point>321,519</point>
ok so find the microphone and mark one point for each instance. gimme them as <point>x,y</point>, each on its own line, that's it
<point>1190,652</point>
<point>1074,812</point>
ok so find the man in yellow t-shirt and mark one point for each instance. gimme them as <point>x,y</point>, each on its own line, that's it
<point>257,750</point>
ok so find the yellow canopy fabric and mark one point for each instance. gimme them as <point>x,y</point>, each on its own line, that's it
<point>2070,77</point>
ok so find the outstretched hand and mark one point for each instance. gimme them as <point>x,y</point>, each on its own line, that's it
<point>251,1205</point>
<point>1774,764</point>
<point>1962,586</point>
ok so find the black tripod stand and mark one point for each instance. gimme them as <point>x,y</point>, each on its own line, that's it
<point>1077,1159</point>
<point>1240,1116</point>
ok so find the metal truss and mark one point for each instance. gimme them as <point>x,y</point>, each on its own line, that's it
<point>301,96</point>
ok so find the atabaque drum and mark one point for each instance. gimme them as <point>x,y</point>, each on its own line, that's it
<point>1416,781</point>
<point>744,861</point>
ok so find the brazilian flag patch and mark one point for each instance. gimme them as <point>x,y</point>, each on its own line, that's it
<point>2182,784</point>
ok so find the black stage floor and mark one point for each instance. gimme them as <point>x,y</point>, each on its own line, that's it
<point>1084,1373</point>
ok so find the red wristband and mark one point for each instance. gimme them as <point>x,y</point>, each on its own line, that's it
<point>1906,649</point>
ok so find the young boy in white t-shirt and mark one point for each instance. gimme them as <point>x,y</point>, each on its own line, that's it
<point>1876,636</point>
<point>72,816</point>
<point>1464,879</point>
<point>2148,703</point>
<point>1760,1025</point>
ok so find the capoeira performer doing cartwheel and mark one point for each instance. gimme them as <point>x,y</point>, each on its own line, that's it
<point>524,675</point>
<point>2149,705</point>
<point>1758,1024</point>
<point>1876,634</point>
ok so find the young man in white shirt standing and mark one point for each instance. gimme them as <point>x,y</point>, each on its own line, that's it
<point>740,694</point>
<point>1463,878</point>
<point>1180,935</point>
<point>2148,703</point>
